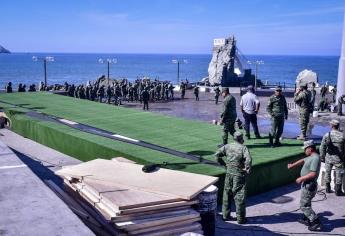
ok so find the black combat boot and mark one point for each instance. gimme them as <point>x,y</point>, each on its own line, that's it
<point>338,191</point>
<point>304,221</point>
<point>328,188</point>
<point>315,225</point>
<point>242,221</point>
<point>277,143</point>
<point>270,139</point>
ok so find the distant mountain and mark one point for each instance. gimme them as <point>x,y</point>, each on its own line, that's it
<point>4,50</point>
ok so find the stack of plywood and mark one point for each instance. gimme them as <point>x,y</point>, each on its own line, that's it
<point>139,203</point>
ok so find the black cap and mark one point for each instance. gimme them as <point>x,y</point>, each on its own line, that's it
<point>278,88</point>
<point>225,90</point>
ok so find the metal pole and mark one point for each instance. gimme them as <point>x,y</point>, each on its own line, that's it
<point>45,72</point>
<point>341,70</point>
<point>178,72</point>
<point>256,73</point>
<point>108,69</point>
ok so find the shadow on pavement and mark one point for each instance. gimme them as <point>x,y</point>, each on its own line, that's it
<point>41,171</point>
<point>228,228</point>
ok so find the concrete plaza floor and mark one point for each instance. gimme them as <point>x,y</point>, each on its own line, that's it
<point>27,205</point>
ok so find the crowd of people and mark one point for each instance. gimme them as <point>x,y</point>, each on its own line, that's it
<point>118,91</point>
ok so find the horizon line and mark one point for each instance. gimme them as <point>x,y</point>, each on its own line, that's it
<point>169,53</point>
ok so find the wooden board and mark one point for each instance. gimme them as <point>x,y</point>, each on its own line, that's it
<point>121,198</point>
<point>147,223</point>
<point>168,182</point>
<point>166,226</point>
<point>151,214</point>
<point>172,205</point>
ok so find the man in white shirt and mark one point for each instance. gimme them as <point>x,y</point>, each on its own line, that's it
<point>250,106</point>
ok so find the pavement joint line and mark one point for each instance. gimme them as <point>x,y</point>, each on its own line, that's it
<point>12,167</point>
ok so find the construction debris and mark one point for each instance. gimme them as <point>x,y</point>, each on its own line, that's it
<point>138,203</point>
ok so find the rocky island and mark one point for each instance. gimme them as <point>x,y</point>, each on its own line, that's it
<point>4,50</point>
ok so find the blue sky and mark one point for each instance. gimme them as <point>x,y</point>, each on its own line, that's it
<point>281,27</point>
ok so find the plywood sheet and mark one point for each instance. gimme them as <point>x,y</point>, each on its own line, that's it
<point>152,222</point>
<point>120,198</point>
<point>172,205</point>
<point>169,182</point>
<point>174,231</point>
<point>174,225</point>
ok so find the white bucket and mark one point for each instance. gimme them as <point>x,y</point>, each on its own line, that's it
<point>315,114</point>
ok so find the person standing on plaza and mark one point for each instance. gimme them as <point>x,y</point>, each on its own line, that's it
<point>216,94</point>
<point>228,115</point>
<point>196,93</point>
<point>313,97</point>
<point>250,106</point>
<point>302,99</point>
<point>146,97</point>
<point>309,174</point>
<point>238,162</point>
<point>332,152</point>
<point>277,109</point>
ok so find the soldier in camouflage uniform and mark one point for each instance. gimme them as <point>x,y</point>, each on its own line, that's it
<point>238,162</point>
<point>309,174</point>
<point>228,115</point>
<point>277,108</point>
<point>341,101</point>
<point>302,98</point>
<point>332,151</point>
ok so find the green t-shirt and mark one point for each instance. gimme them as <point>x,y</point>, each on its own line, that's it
<point>311,164</point>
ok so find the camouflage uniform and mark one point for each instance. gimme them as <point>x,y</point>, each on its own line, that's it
<point>341,101</point>
<point>332,150</point>
<point>302,99</point>
<point>309,188</point>
<point>237,159</point>
<point>217,93</point>
<point>228,117</point>
<point>277,108</point>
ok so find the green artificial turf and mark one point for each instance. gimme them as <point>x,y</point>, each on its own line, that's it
<point>188,136</point>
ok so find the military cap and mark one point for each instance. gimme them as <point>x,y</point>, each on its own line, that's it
<point>226,90</point>
<point>278,88</point>
<point>250,88</point>
<point>238,135</point>
<point>309,143</point>
<point>334,122</point>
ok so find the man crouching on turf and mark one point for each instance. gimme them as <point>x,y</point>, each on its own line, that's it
<point>236,157</point>
<point>309,174</point>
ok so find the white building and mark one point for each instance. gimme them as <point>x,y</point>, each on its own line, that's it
<point>219,42</point>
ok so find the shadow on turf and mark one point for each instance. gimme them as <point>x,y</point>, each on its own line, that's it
<point>36,108</point>
<point>200,153</point>
<point>266,145</point>
<point>179,166</point>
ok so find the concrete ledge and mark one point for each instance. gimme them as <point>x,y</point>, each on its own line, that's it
<point>28,206</point>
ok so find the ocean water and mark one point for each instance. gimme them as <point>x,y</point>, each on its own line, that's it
<point>79,68</point>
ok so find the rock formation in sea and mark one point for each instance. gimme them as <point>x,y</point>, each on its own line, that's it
<point>227,66</point>
<point>4,50</point>
<point>222,62</point>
